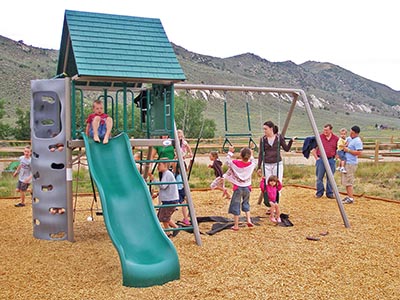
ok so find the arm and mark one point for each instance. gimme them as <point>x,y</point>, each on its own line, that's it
<point>260,155</point>
<point>17,170</point>
<point>285,146</point>
<point>352,152</point>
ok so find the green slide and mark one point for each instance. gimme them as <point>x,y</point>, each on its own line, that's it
<point>147,255</point>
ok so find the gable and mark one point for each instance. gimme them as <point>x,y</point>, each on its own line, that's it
<point>97,46</point>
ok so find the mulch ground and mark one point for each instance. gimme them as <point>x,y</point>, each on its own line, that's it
<point>264,262</point>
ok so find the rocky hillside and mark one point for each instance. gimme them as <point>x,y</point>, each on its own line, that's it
<point>329,86</point>
<point>332,90</point>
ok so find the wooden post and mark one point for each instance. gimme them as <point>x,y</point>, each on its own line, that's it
<point>376,151</point>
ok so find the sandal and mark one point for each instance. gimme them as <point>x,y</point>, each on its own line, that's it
<point>235,229</point>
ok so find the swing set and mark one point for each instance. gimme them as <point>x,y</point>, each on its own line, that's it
<point>295,93</point>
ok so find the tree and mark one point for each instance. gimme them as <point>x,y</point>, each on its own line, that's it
<point>189,117</point>
<point>22,131</point>
<point>5,129</point>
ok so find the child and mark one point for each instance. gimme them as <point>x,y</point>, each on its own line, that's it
<point>219,181</point>
<point>273,187</point>
<point>182,195</point>
<point>25,175</point>
<point>239,174</point>
<point>98,123</point>
<point>168,194</point>
<point>184,145</point>
<point>341,144</point>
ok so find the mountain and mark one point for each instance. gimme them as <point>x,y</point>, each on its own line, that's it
<point>19,64</point>
<point>336,94</point>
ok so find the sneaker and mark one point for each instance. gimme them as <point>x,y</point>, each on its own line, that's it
<point>318,196</point>
<point>175,232</point>
<point>19,205</point>
<point>330,196</point>
<point>273,220</point>
<point>343,171</point>
<point>279,220</point>
<point>347,200</point>
<point>186,221</point>
<point>338,169</point>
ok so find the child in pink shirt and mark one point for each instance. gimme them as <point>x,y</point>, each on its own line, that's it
<point>239,174</point>
<point>273,187</point>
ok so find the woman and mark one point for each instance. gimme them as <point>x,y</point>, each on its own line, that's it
<point>270,153</point>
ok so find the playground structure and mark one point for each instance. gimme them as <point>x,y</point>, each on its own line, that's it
<point>117,75</point>
<point>147,255</point>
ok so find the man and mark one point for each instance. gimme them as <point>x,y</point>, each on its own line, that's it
<point>329,142</point>
<point>352,152</point>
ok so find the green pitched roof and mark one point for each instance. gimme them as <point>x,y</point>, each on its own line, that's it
<point>108,47</point>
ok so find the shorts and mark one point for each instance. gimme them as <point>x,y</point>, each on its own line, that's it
<point>342,155</point>
<point>22,186</point>
<point>164,213</point>
<point>182,195</point>
<point>349,177</point>
<point>240,199</point>
<point>218,182</point>
<point>101,131</point>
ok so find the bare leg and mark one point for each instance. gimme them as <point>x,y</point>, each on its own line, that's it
<point>185,213</point>
<point>235,223</point>
<point>22,197</point>
<point>109,123</point>
<point>249,223</point>
<point>278,213</point>
<point>349,190</point>
<point>95,127</point>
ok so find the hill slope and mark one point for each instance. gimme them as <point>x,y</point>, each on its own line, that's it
<point>336,94</point>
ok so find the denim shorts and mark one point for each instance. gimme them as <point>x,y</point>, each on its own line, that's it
<point>101,131</point>
<point>22,186</point>
<point>240,199</point>
<point>342,155</point>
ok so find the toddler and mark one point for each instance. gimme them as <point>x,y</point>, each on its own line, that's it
<point>341,144</point>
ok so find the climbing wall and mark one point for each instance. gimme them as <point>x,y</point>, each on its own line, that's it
<point>49,185</point>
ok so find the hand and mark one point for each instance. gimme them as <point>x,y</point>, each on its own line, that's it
<point>294,138</point>
<point>259,172</point>
<point>231,149</point>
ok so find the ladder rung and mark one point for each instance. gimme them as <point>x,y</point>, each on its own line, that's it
<point>156,160</point>
<point>180,228</point>
<point>164,182</point>
<point>170,205</point>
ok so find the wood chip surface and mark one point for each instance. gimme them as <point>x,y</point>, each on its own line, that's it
<point>264,262</point>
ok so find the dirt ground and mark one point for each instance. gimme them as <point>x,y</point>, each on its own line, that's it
<point>264,262</point>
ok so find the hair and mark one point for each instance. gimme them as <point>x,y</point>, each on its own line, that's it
<point>343,130</point>
<point>97,102</point>
<point>164,162</point>
<point>28,147</point>
<point>356,129</point>
<point>214,154</point>
<point>245,153</point>
<point>328,126</point>
<point>276,129</point>
<point>270,124</point>
<point>273,178</point>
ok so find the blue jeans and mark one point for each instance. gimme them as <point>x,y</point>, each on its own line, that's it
<point>240,199</point>
<point>320,172</point>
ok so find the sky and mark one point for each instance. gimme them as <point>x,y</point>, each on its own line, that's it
<point>358,35</point>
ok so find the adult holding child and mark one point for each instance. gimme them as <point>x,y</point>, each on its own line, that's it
<point>353,151</point>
